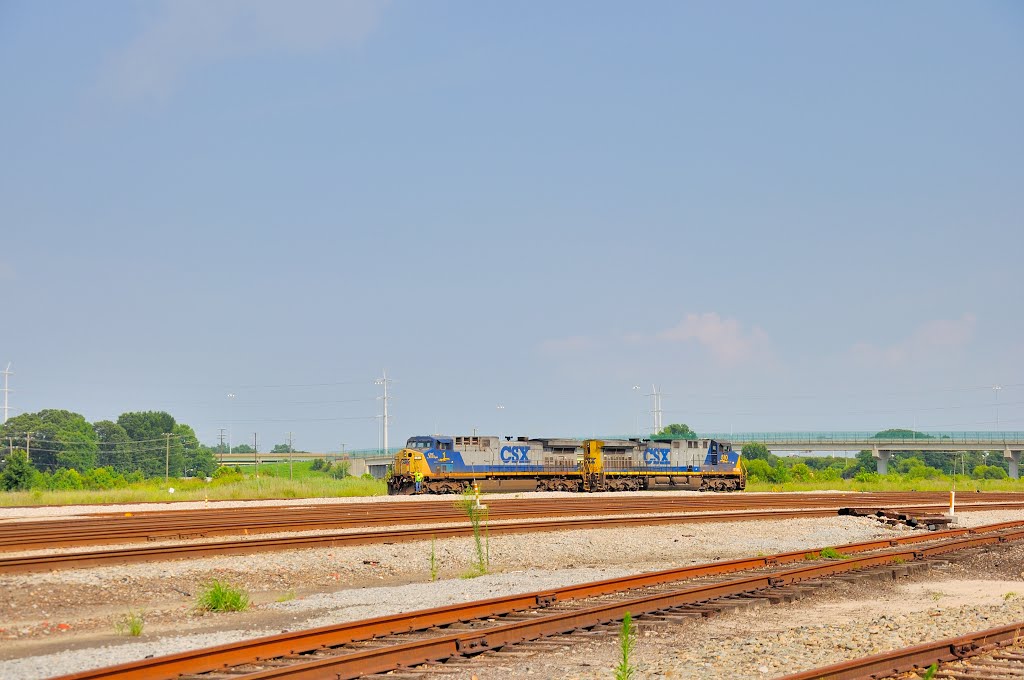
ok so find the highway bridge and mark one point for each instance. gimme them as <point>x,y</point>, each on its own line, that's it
<point>1009,444</point>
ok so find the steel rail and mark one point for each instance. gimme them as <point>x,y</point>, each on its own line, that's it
<point>252,651</point>
<point>20,536</point>
<point>81,559</point>
<point>917,657</point>
<point>47,562</point>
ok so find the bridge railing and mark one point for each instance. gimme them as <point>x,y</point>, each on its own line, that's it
<point>996,439</point>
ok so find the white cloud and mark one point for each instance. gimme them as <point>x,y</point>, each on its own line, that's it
<point>726,339</point>
<point>928,340</point>
<point>186,34</point>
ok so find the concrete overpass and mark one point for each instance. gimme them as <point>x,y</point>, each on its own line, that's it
<point>1009,443</point>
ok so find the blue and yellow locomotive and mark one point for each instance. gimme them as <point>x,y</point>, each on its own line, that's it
<point>451,464</point>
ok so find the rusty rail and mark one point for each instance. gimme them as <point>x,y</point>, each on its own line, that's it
<point>468,642</point>
<point>109,528</point>
<point>918,657</point>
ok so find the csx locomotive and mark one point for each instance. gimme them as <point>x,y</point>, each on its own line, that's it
<point>452,464</point>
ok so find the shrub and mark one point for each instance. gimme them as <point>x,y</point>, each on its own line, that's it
<point>218,596</point>
<point>18,472</point>
<point>100,478</point>
<point>340,469</point>
<point>223,471</point>
<point>989,472</point>
<point>801,472</point>
<point>319,464</point>
<point>66,479</point>
<point>758,470</point>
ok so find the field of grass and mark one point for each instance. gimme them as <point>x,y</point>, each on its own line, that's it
<point>964,484</point>
<point>273,482</point>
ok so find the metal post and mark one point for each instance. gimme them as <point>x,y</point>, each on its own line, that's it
<point>167,458</point>
<point>7,373</point>
<point>28,446</point>
<point>289,456</point>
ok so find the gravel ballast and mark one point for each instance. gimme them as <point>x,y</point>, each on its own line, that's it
<point>341,584</point>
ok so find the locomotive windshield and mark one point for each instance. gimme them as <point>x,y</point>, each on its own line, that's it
<point>419,444</point>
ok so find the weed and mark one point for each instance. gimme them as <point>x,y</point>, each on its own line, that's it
<point>130,623</point>
<point>477,515</point>
<point>1009,596</point>
<point>935,595</point>
<point>286,597</point>
<point>812,556</point>
<point>218,596</point>
<point>898,560</point>
<point>930,672</point>
<point>433,559</point>
<point>831,553</point>
<point>627,642</point>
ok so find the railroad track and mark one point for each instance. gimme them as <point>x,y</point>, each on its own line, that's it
<point>995,653</point>
<point>111,528</point>
<point>380,645</point>
<point>176,551</point>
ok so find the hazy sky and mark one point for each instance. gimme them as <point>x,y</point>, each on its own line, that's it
<point>792,215</point>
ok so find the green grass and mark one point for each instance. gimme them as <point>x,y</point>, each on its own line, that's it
<point>306,484</point>
<point>964,485</point>
<point>130,624</point>
<point>218,596</point>
<point>286,597</point>
<point>831,553</point>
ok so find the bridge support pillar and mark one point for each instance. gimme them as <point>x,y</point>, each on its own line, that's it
<point>1014,458</point>
<point>883,460</point>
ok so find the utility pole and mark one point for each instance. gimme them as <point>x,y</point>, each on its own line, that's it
<point>289,456</point>
<point>256,459</point>
<point>384,400</point>
<point>7,373</point>
<point>167,457</point>
<point>656,407</point>
<point>28,446</point>
<point>220,456</point>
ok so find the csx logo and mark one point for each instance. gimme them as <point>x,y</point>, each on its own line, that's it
<point>514,454</point>
<point>656,456</point>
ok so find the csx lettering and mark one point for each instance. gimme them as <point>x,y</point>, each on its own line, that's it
<point>656,456</point>
<point>514,454</point>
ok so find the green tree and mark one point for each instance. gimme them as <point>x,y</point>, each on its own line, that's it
<point>242,448</point>
<point>197,460</point>
<point>18,472</point>
<point>59,438</point>
<point>863,463</point>
<point>115,448</point>
<point>758,451</point>
<point>677,431</point>
<point>146,429</point>
<point>898,433</point>
<point>280,448</point>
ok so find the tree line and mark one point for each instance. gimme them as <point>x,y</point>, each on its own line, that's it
<point>145,443</point>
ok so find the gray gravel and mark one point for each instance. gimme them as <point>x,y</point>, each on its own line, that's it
<point>332,578</point>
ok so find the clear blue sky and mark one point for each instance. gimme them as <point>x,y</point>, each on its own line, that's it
<point>794,215</point>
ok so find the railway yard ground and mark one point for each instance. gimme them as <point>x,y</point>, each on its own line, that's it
<point>63,621</point>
